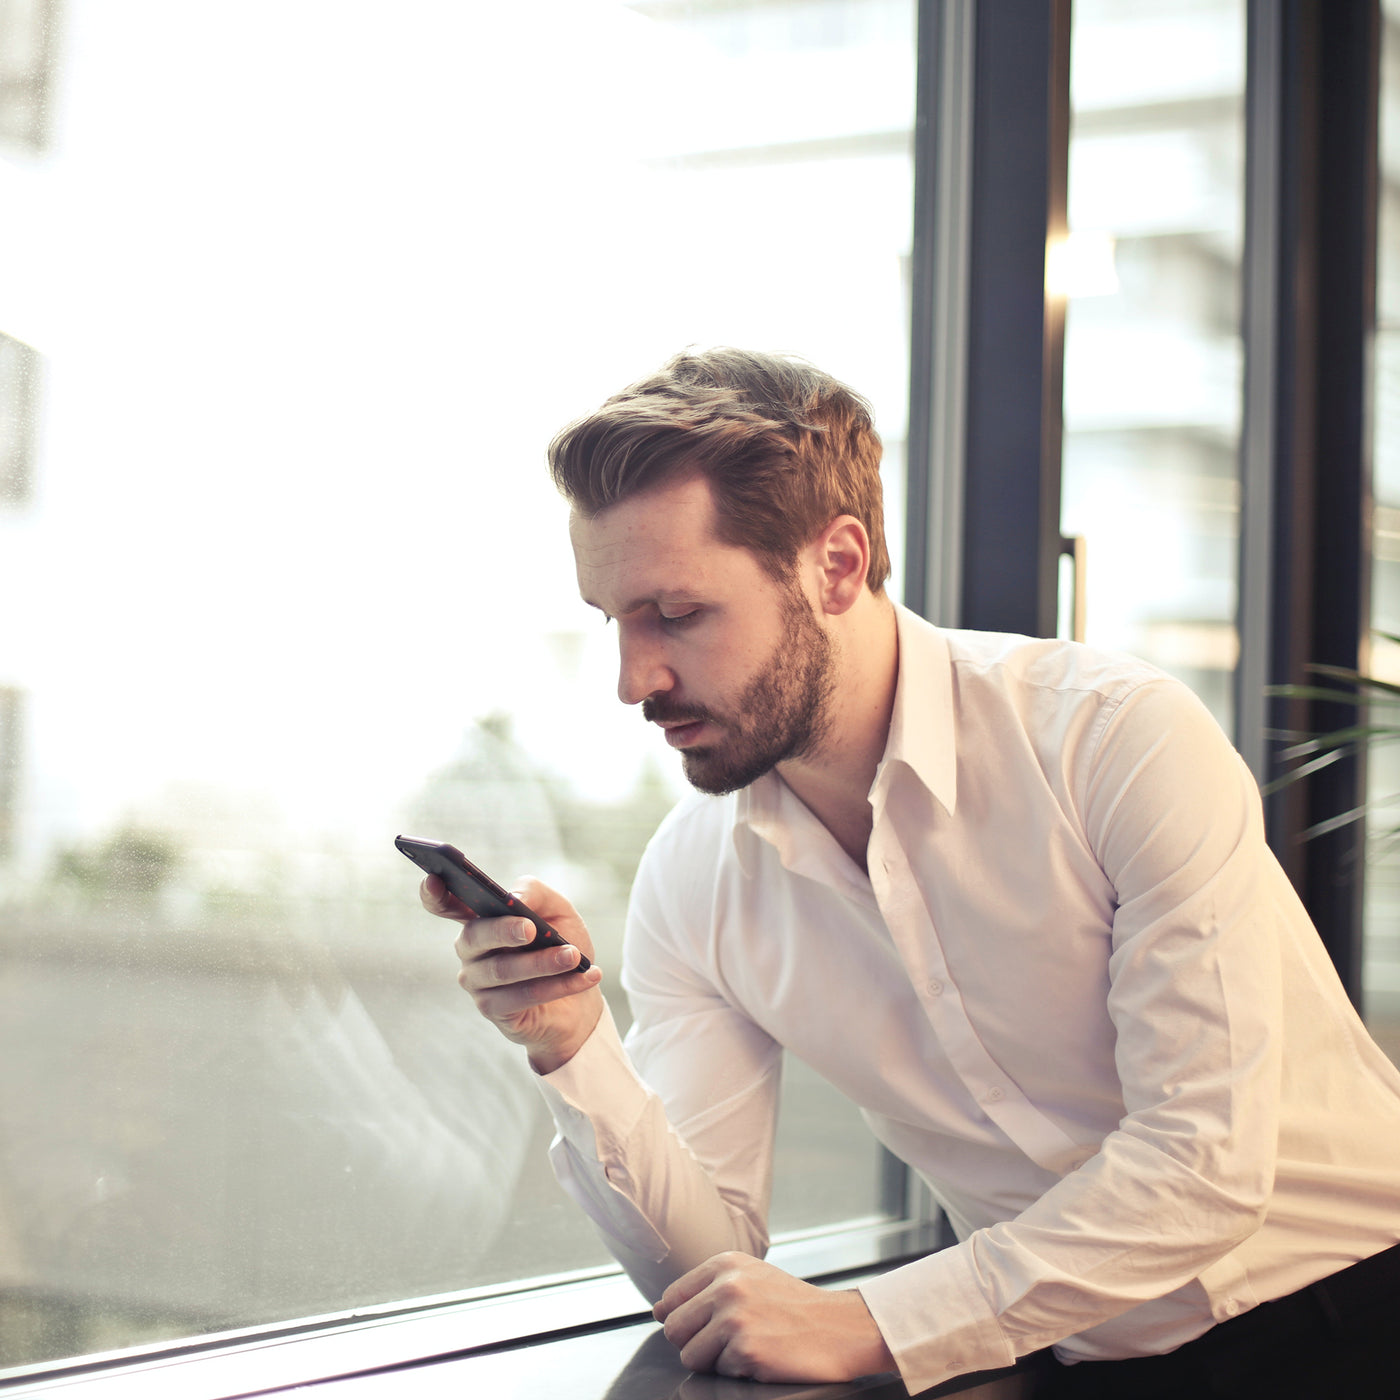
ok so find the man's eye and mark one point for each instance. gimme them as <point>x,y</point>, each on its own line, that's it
<point>681,619</point>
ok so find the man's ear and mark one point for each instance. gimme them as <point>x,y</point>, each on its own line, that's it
<point>841,557</point>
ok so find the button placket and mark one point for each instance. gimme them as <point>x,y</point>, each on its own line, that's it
<point>920,948</point>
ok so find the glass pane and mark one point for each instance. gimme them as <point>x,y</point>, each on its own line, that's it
<point>293,297</point>
<point>1381,962</point>
<point>1153,356</point>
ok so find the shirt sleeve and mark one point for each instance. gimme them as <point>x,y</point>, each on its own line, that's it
<point>667,1142</point>
<point>1193,989</point>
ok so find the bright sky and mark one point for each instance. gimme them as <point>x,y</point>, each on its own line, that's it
<point>314,283</point>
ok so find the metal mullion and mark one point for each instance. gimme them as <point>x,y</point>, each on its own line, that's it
<point>1014,341</point>
<point>939,321</point>
<point>1260,436</point>
<point>1345,212</point>
<point>1308,318</point>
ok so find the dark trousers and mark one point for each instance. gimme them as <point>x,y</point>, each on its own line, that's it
<point>1337,1339</point>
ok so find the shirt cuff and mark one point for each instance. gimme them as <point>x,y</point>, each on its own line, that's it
<point>935,1319</point>
<point>597,1096</point>
<point>598,1102</point>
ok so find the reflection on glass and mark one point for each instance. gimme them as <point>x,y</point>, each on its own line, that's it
<point>1152,345</point>
<point>1381,962</point>
<point>307,310</point>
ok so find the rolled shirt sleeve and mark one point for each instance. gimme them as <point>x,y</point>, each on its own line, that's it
<point>662,1205</point>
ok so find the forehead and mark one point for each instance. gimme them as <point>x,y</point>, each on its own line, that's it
<point>656,545</point>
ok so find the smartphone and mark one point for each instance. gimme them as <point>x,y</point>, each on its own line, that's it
<point>479,892</point>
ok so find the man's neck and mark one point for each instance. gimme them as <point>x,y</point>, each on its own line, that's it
<point>834,784</point>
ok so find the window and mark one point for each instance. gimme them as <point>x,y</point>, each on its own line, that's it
<point>1153,360</point>
<point>313,285</point>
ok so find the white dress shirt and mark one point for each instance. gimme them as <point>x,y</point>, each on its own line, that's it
<point>1075,993</point>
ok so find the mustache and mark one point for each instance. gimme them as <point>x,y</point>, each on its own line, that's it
<point>660,709</point>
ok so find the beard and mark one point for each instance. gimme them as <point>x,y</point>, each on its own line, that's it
<point>783,712</point>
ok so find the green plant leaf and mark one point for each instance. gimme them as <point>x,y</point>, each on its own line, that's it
<point>1313,692</point>
<point>1333,824</point>
<point>1342,673</point>
<point>1376,733</point>
<point>1305,771</point>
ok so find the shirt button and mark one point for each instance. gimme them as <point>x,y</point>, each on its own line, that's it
<point>1230,1307</point>
<point>935,987</point>
<point>993,1095</point>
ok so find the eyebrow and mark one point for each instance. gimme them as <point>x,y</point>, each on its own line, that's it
<point>656,600</point>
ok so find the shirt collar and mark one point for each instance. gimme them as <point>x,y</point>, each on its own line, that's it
<point>756,818</point>
<point>922,738</point>
<point>923,726</point>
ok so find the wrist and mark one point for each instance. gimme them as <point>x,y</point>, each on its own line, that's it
<point>547,1056</point>
<point>547,1061</point>
<point>875,1355</point>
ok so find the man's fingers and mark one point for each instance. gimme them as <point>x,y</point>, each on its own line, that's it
<point>703,1350</point>
<point>503,994</point>
<point>691,1328</point>
<point>684,1289</point>
<point>531,990</point>
<point>484,938</point>
<point>751,1319</point>
<point>700,1321</point>
<point>508,979</point>
<point>504,968</point>
<point>437,899</point>
<point>493,955</point>
<point>508,1005</point>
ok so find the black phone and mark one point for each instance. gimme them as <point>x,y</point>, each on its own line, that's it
<point>479,892</point>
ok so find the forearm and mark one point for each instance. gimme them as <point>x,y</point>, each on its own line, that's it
<point>660,1210</point>
<point>1095,1255</point>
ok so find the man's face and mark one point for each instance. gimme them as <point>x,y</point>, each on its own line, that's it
<point>733,665</point>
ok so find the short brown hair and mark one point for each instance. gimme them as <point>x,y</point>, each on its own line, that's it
<point>785,448</point>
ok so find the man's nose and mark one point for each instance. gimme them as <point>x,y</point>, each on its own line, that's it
<point>642,670</point>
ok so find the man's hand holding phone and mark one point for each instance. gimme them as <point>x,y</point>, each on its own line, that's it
<point>535,996</point>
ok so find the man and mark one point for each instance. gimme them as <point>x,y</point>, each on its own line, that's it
<point>1011,896</point>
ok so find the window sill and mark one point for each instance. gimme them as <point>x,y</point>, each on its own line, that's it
<point>376,1341</point>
